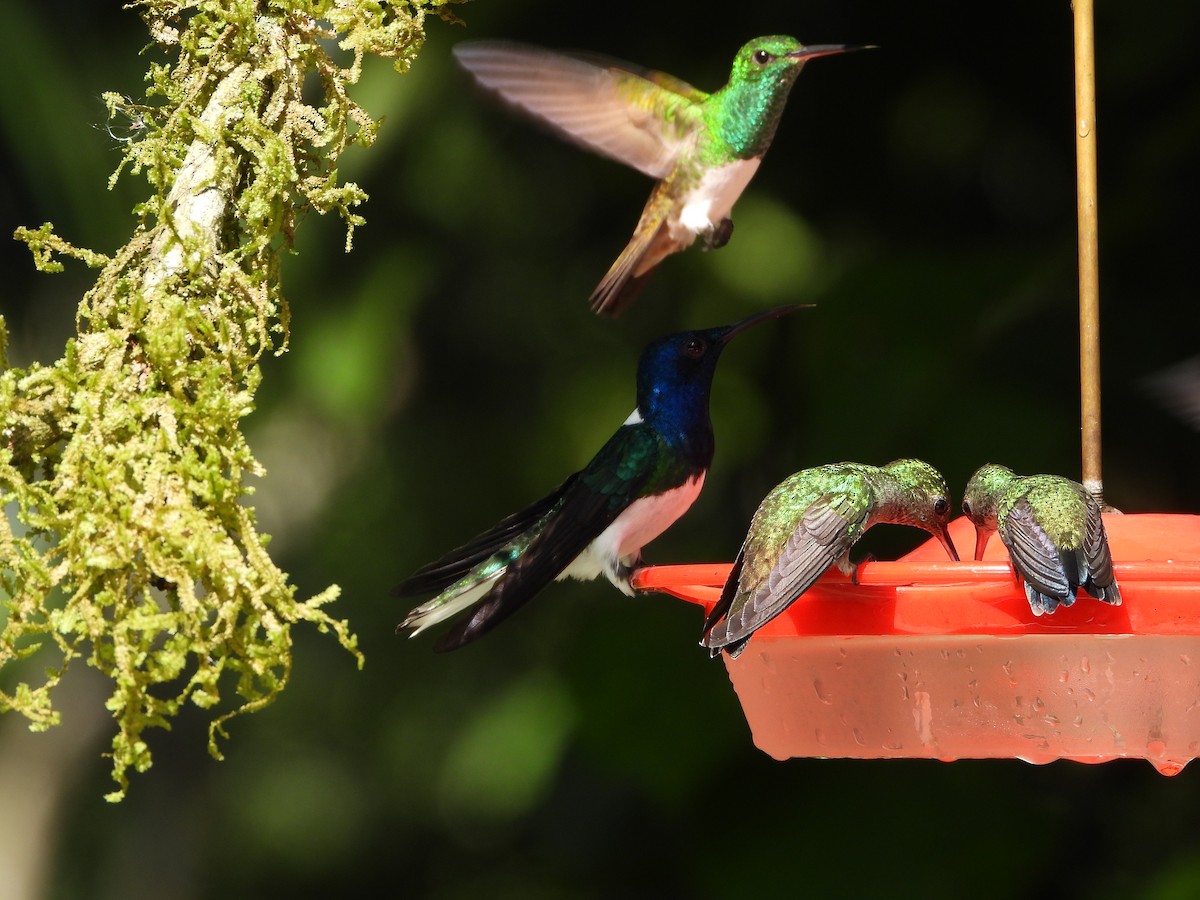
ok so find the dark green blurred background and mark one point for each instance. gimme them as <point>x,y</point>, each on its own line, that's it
<point>448,371</point>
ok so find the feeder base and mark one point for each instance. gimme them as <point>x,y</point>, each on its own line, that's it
<point>1090,698</point>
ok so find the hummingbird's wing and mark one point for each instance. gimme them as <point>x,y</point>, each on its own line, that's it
<point>1036,557</point>
<point>589,503</point>
<point>1178,389</point>
<point>824,534</point>
<point>645,120</point>
<point>1100,582</point>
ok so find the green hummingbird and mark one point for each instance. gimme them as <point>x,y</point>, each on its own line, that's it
<point>703,148</point>
<point>807,524</point>
<point>1053,530</point>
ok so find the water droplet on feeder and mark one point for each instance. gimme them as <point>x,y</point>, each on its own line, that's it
<point>1169,767</point>
<point>1008,670</point>
<point>1034,759</point>
<point>822,695</point>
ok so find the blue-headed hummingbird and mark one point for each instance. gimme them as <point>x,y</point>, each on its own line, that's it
<point>596,522</point>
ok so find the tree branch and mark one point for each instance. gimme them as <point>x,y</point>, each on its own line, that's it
<point>122,465</point>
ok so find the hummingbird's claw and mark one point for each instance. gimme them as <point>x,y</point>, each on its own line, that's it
<point>870,557</point>
<point>719,235</point>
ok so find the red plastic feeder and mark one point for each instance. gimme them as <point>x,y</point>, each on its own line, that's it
<point>927,658</point>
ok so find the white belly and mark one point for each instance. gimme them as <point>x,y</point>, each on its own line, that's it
<point>619,545</point>
<point>713,198</point>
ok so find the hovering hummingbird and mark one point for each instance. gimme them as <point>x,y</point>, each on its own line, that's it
<point>1177,388</point>
<point>703,148</point>
<point>1053,530</point>
<point>807,524</point>
<point>597,521</point>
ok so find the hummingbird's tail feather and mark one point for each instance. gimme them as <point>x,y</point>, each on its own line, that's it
<point>627,276</point>
<point>1045,596</point>
<point>1109,594</point>
<point>553,545</point>
<point>486,616</point>
<point>495,589</point>
<point>447,604</point>
<point>1043,603</point>
<point>522,578</point>
<point>443,572</point>
<point>617,292</point>
<point>524,553</point>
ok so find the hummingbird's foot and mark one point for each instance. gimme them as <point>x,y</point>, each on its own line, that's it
<point>870,557</point>
<point>622,574</point>
<point>718,236</point>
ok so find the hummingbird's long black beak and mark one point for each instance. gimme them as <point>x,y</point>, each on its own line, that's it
<point>943,535</point>
<point>981,541</point>
<point>816,50</point>
<point>732,331</point>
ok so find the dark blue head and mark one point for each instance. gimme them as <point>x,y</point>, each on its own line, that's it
<point>675,375</point>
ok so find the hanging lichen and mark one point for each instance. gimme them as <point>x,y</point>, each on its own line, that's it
<point>127,539</point>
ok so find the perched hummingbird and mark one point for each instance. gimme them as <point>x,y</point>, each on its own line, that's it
<point>1053,530</point>
<point>807,524</point>
<point>703,148</point>
<point>597,521</point>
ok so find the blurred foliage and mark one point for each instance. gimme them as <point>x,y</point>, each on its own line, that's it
<point>448,372</point>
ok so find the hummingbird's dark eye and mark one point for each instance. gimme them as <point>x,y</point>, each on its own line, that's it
<point>694,348</point>
<point>762,57</point>
<point>966,507</point>
<point>939,506</point>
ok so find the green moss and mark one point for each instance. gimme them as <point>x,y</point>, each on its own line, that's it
<point>128,540</point>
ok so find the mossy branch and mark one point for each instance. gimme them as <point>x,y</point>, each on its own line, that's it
<point>127,538</point>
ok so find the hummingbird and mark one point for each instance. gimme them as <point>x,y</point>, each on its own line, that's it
<point>1053,530</point>
<point>596,522</point>
<point>806,525</point>
<point>1177,388</point>
<point>703,148</point>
